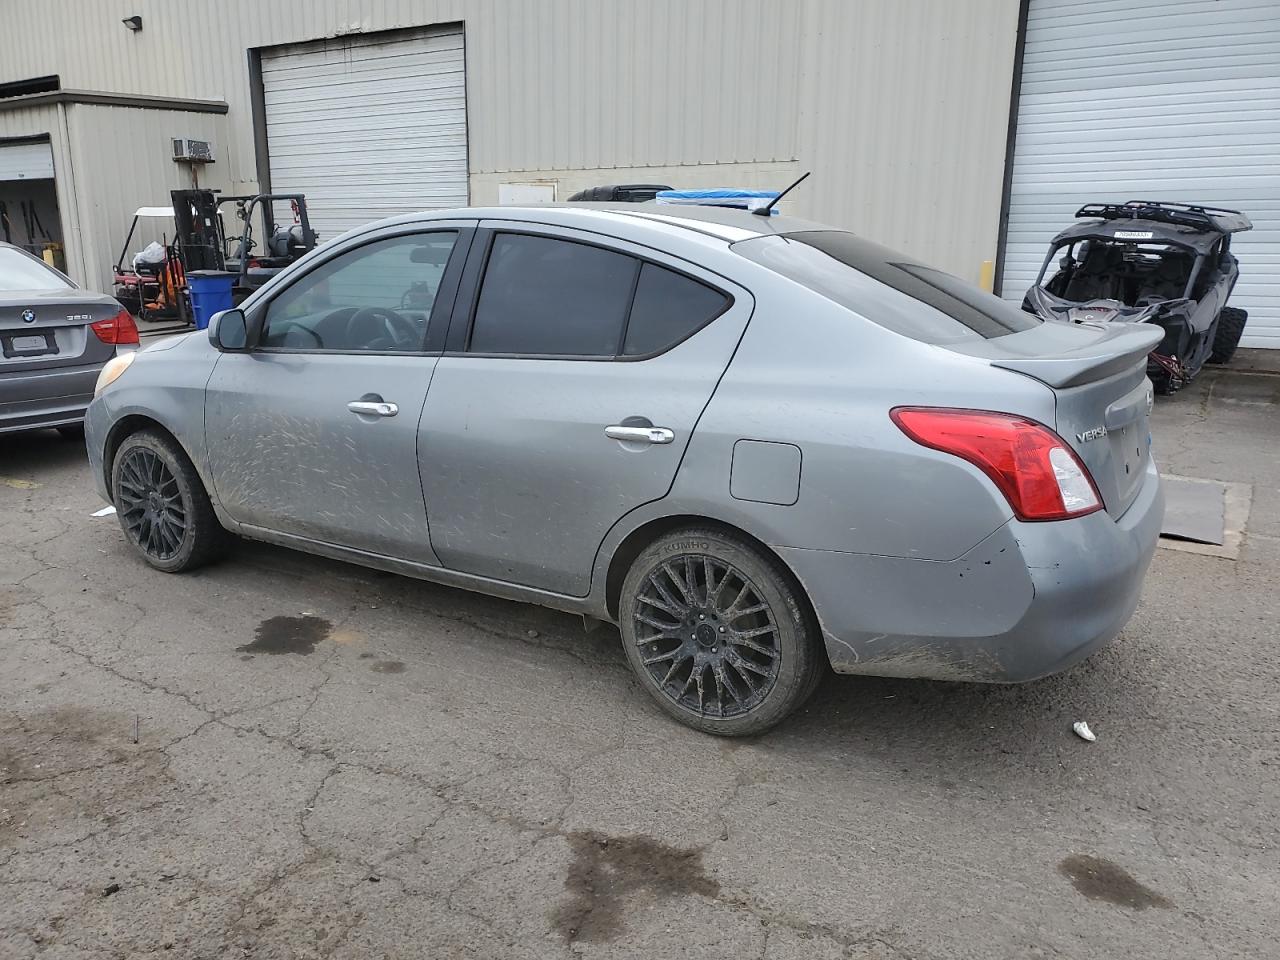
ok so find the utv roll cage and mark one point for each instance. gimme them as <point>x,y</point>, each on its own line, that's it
<point>1203,232</point>
<point>1159,211</point>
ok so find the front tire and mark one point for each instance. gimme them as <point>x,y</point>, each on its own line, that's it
<point>162,504</point>
<point>1231,323</point>
<point>718,633</point>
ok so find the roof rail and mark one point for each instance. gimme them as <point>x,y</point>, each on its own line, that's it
<point>1161,211</point>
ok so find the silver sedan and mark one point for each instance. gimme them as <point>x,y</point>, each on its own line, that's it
<point>764,448</point>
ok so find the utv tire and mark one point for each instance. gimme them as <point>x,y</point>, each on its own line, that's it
<point>1231,323</point>
<point>162,504</point>
<point>718,633</point>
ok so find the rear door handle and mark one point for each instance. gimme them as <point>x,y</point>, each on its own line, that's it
<point>373,408</point>
<point>640,434</point>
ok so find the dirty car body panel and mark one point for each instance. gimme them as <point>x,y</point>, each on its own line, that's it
<point>769,418</point>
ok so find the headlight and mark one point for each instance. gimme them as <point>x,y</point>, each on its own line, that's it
<point>111,371</point>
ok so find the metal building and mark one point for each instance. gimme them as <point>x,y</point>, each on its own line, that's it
<point>962,133</point>
<point>900,109</point>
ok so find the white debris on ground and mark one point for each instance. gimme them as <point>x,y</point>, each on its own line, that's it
<point>104,512</point>
<point>1083,732</point>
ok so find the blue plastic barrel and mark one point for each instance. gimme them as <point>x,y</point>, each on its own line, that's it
<point>210,293</point>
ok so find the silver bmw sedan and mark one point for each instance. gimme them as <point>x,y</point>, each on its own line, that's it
<point>765,448</point>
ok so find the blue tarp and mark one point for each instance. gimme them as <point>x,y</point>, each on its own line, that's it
<point>740,199</point>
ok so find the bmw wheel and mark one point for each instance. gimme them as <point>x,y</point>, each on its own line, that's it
<point>162,504</point>
<point>718,633</point>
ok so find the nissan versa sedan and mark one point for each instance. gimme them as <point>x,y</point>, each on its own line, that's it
<point>763,447</point>
<point>54,340</point>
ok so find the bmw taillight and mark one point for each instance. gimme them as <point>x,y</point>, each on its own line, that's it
<point>1040,476</point>
<point>119,329</point>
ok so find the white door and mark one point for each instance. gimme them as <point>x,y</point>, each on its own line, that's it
<point>1129,99</point>
<point>368,125</point>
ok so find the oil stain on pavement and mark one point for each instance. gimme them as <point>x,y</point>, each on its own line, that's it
<point>288,635</point>
<point>1100,879</point>
<point>608,872</point>
<point>387,666</point>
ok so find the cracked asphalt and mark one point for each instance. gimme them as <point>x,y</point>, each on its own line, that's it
<point>333,762</point>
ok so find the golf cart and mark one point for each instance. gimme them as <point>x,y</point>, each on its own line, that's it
<point>1149,262</point>
<point>152,284</point>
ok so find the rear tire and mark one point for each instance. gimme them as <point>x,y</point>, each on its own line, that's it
<point>1231,323</point>
<point>162,504</point>
<point>718,633</point>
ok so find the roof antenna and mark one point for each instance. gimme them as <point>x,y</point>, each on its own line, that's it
<point>768,211</point>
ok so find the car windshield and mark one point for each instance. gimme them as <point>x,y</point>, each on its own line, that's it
<point>921,302</point>
<point>20,272</point>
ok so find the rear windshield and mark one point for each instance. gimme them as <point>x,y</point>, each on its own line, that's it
<point>20,272</point>
<point>931,306</point>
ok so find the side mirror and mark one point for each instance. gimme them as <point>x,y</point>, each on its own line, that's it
<point>229,330</point>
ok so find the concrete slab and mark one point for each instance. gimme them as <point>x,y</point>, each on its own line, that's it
<point>1193,509</point>
<point>1206,517</point>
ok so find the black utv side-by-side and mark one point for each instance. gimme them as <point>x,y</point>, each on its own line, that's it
<point>1149,261</point>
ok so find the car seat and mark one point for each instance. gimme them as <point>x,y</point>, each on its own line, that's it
<point>1099,276</point>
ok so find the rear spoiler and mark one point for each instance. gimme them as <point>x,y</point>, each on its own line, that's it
<point>1184,214</point>
<point>1122,347</point>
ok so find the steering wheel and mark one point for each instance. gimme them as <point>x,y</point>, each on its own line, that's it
<point>399,332</point>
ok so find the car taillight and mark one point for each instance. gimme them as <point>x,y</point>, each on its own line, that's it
<point>117,329</point>
<point>1040,476</point>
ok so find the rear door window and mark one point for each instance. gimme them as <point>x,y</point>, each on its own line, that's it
<point>543,296</point>
<point>669,307</point>
<point>932,306</point>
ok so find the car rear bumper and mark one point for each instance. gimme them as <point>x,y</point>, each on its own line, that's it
<point>1030,600</point>
<point>46,398</point>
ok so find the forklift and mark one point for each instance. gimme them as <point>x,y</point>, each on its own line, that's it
<point>205,244</point>
<point>157,290</point>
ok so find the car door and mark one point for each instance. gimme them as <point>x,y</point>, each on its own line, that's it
<point>575,372</point>
<point>313,432</point>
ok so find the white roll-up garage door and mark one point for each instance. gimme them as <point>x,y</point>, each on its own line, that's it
<point>1129,99</point>
<point>26,161</point>
<point>368,125</point>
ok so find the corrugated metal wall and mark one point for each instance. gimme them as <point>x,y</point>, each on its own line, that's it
<point>904,111</point>
<point>898,106</point>
<point>122,161</point>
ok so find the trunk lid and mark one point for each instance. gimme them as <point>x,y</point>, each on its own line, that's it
<point>1098,373</point>
<point>58,334</point>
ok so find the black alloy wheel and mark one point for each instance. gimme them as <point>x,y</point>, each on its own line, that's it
<point>150,504</point>
<point>707,637</point>
<point>162,504</point>
<point>719,632</point>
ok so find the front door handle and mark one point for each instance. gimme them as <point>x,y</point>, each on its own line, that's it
<point>373,408</point>
<point>639,434</point>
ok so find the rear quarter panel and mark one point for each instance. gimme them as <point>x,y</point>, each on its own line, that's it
<point>813,374</point>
